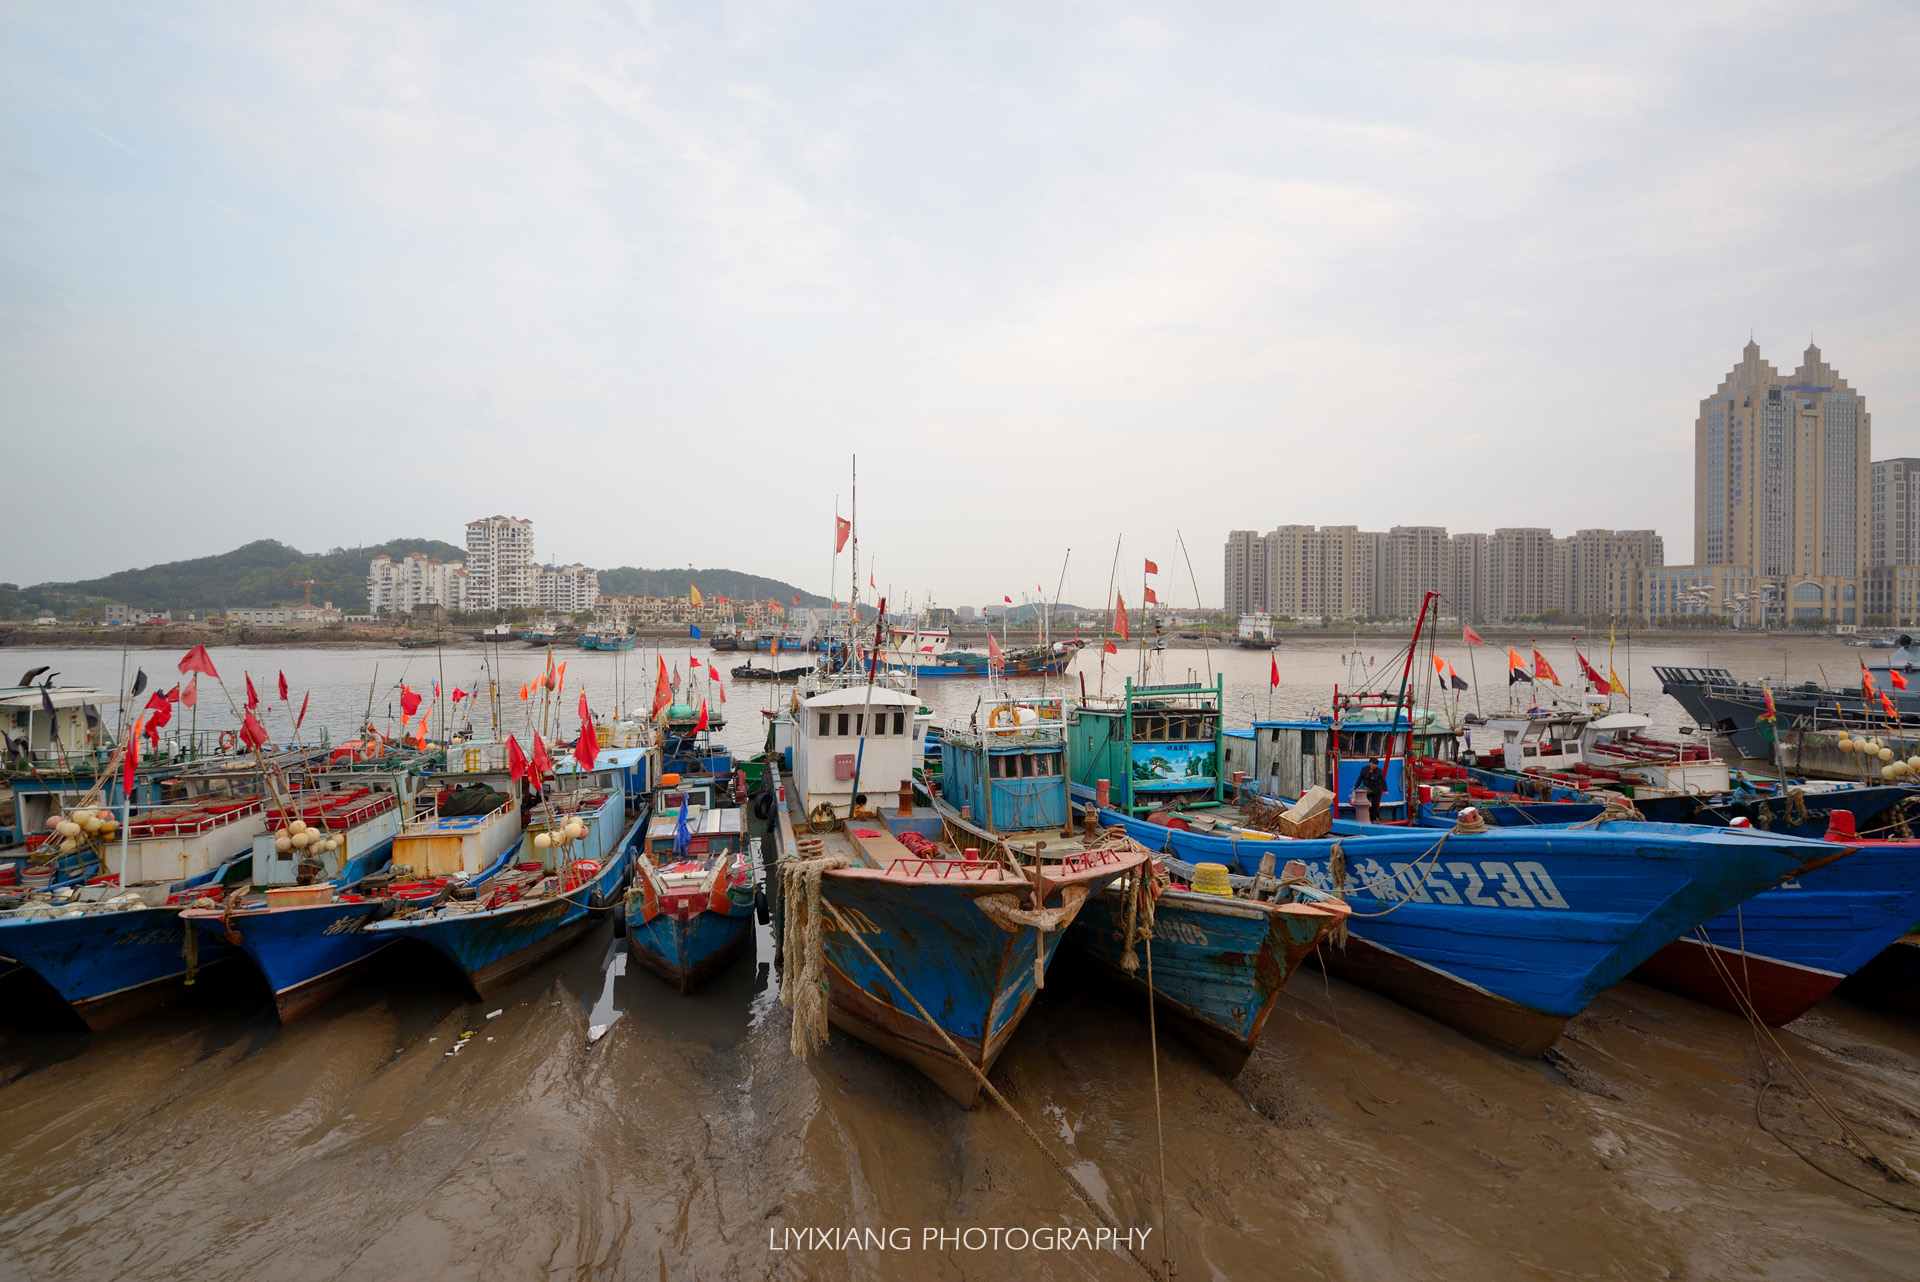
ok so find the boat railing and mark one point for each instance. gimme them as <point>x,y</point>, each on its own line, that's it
<point>430,825</point>
<point>944,869</point>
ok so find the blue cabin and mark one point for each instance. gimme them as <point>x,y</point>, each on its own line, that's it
<point>1155,746</point>
<point>1288,757</point>
<point>1009,779</point>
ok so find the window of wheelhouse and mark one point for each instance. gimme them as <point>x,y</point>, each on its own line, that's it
<point>843,725</point>
<point>899,723</point>
<point>826,724</point>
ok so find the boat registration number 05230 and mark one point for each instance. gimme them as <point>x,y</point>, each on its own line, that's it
<point>1488,883</point>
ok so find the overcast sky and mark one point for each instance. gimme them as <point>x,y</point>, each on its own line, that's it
<point>335,273</point>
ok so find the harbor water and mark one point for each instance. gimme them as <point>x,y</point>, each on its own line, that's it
<point>594,1122</point>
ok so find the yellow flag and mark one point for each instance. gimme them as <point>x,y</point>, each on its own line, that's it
<point>1613,679</point>
<point>693,594</point>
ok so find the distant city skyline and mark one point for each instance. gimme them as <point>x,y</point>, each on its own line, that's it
<point>649,277</point>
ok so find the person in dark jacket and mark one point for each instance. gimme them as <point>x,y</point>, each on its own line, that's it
<point>1373,782</point>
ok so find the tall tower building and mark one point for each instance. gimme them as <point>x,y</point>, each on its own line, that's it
<point>1246,572</point>
<point>500,564</point>
<point>1782,484</point>
<point>1895,518</point>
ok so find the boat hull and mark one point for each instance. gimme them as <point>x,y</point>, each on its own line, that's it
<point>1789,946</point>
<point>1892,979</point>
<point>686,952</point>
<point>307,955</point>
<point>1218,964</point>
<point>109,967</point>
<point>1508,934</point>
<point>493,949</point>
<point>946,953</point>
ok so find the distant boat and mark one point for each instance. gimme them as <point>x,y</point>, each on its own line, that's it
<point>419,643</point>
<point>607,641</point>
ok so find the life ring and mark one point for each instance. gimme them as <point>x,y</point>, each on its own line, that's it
<point>228,739</point>
<point>822,819</point>
<point>1010,710</point>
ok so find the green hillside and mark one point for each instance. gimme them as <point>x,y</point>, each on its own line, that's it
<point>630,580</point>
<point>265,572</point>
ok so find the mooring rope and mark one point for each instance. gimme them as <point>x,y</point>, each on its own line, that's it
<point>953,1047</point>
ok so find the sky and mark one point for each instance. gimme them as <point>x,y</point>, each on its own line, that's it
<point>1059,275</point>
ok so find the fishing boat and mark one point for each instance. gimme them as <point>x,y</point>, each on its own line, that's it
<point>689,911</point>
<point>607,640</point>
<point>748,672</point>
<point>115,946</point>
<point>914,652</point>
<point>1220,955</point>
<point>518,911</point>
<point>418,643</point>
<point>1507,933</point>
<point>886,922</point>
<point>301,921</point>
<point>1891,979</point>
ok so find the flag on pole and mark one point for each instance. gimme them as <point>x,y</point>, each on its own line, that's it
<point>305,699</point>
<point>1109,647</point>
<point>1541,668</point>
<point>283,687</point>
<point>541,764</point>
<point>162,712</point>
<point>252,733</point>
<point>1454,679</point>
<point>1899,682</point>
<point>662,692</point>
<point>190,694</point>
<point>1468,635</point>
<point>253,696</point>
<point>1151,598</point>
<point>995,659</point>
<point>1152,568</point>
<point>516,760</point>
<point>701,724</point>
<point>842,527</point>
<point>1007,599</point>
<point>693,594</point>
<point>1614,681</point>
<point>1120,617</point>
<point>1273,677</point>
<point>587,750</point>
<point>198,660</point>
<point>1600,684</point>
<point>409,701</point>
<point>1514,660</point>
<point>1439,666</point>
<point>132,761</point>
<point>1887,703</point>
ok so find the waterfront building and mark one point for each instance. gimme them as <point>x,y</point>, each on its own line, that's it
<point>1782,480</point>
<point>500,563</point>
<point>1246,572</point>
<point>567,589</point>
<point>1894,519</point>
<point>1892,594</point>
<point>285,616</point>
<point>415,581</point>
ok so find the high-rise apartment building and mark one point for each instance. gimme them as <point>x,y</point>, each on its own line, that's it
<point>1246,572</point>
<point>1415,564</point>
<point>416,580</point>
<point>1464,592</point>
<point>1782,479</point>
<point>1894,519</point>
<point>500,564</point>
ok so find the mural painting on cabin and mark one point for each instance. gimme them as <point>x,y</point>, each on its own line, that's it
<point>1174,766</point>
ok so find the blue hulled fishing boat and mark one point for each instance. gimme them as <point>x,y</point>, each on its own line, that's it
<point>927,950</point>
<point>1506,933</point>
<point>115,947</point>
<point>520,911</point>
<point>305,936</point>
<point>1220,957</point>
<point>690,908</point>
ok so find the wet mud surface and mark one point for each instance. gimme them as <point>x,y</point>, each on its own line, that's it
<point>1363,1140</point>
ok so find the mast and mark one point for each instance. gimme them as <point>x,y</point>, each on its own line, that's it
<point>1406,671</point>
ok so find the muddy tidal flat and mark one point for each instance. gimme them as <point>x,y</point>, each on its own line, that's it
<point>1363,1141</point>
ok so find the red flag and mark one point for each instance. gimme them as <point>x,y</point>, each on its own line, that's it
<point>173,695</point>
<point>283,687</point>
<point>252,733</point>
<point>1152,568</point>
<point>1599,683</point>
<point>458,694</point>
<point>1887,703</point>
<point>841,528</point>
<point>162,713</point>
<point>1468,635</point>
<point>516,760</point>
<point>1110,647</point>
<point>198,660</point>
<point>1899,682</point>
<point>1151,598</point>
<point>1541,668</point>
<point>409,701</point>
<point>587,750</point>
<point>1120,617</point>
<point>871,583</point>
<point>305,699</point>
<point>1007,599</point>
<point>995,659</point>
<point>542,765</point>
<point>1866,678</point>
<point>701,724</point>
<point>132,760</point>
<point>1273,678</point>
<point>693,661</point>
<point>253,696</point>
<point>662,692</point>
<point>189,694</point>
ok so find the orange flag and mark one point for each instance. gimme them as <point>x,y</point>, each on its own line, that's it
<point>1514,661</point>
<point>662,692</point>
<point>1899,682</point>
<point>1120,617</point>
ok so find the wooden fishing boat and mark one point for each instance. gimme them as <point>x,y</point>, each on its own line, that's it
<point>116,947</point>
<point>418,643</point>
<point>690,909</point>
<point>1505,934</point>
<point>887,923</point>
<point>1220,959</point>
<point>305,936</point>
<point>535,905</point>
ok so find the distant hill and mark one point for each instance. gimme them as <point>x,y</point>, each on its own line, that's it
<point>630,580</point>
<point>265,572</point>
<point>268,572</point>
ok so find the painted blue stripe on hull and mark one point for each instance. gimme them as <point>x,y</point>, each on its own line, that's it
<point>683,948</point>
<point>293,946</point>
<point>1836,918</point>
<point>1629,890</point>
<point>92,956</point>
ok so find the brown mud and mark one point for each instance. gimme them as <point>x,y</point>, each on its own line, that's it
<point>1363,1140</point>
